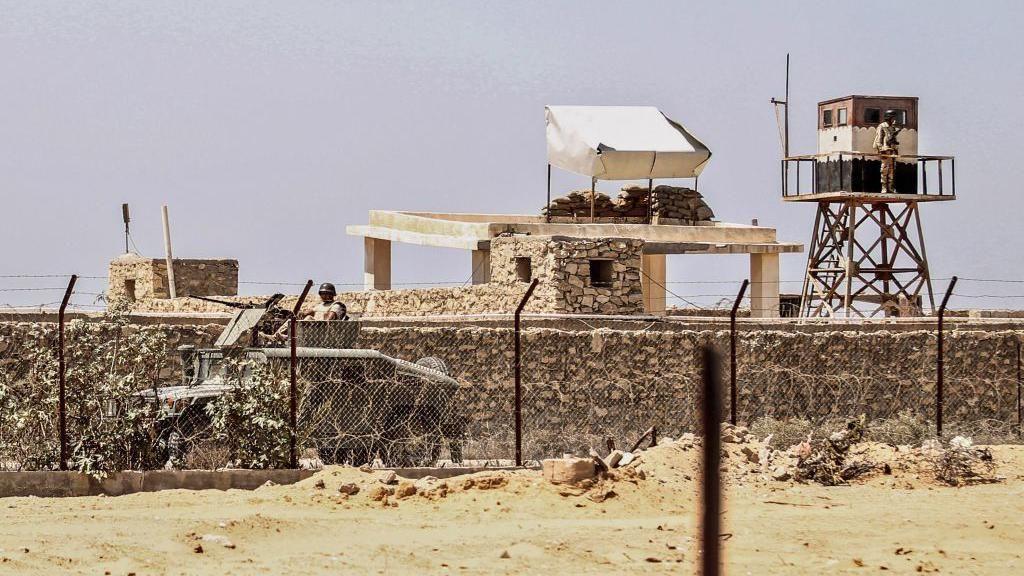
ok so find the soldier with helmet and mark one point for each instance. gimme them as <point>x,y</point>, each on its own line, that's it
<point>887,145</point>
<point>327,308</point>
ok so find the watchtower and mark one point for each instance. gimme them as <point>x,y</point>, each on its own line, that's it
<point>867,255</point>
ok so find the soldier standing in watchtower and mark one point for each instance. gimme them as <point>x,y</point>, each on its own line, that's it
<point>887,145</point>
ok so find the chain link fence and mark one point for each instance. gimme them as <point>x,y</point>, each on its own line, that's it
<point>433,393</point>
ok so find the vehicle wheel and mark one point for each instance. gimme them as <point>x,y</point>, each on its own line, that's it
<point>434,363</point>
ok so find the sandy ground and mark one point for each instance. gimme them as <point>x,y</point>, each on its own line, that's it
<point>508,523</point>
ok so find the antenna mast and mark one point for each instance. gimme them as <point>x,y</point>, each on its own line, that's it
<point>127,219</point>
<point>785,104</point>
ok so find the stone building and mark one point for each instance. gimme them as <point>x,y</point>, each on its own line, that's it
<point>577,275</point>
<point>133,277</point>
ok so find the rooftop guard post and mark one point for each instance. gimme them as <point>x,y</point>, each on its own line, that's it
<point>620,143</point>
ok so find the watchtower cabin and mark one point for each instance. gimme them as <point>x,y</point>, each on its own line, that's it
<point>867,255</point>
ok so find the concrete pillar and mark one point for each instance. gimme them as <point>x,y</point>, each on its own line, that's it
<point>376,264</point>
<point>481,266</point>
<point>764,285</point>
<point>652,282</point>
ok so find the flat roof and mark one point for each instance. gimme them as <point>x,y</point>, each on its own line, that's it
<point>475,231</point>
<point>866,96</point>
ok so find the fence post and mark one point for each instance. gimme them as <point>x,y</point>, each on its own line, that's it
<point>939,363</point>
<point>292,404</point>
<point>711,415</point>
<point>292,378</point>
<point>732,352</point>
<point>62,421</point>
<point>518,403</point>
<point>1019,428</point>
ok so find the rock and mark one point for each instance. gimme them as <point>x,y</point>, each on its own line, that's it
<point>425,483</point>
<point>504,554</point>
<point>387,477</point>
<point>627,459</point>
<point>752,455</point>
<point>378,493</point>
<point>319,484</point>
<point>568,470</point>
<point>665,441</point>
<point>614,459</point>
<point>601,494</point>
<point>405,490</point>
<point>780,473</point>
<point>217,539</point>
<point>311,464</point>
<point>731,438</point>
<point>350,489</point>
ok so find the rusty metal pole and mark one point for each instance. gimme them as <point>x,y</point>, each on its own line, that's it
<point>593,198</point>
<point>549,194</point>
<point>62,420</point>
<point>292,393</point>
<point>711,480</point>
<point>1019,428</point>
<point>732,351</point>
<point>302,298</point>
<point>518,402</point>
<point>939,362</point>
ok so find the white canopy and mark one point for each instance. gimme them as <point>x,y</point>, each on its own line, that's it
<point>622,143</point>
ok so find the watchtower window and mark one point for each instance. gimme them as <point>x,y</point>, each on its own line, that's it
<point>841,117</point>
<point>872,115</point>
<point>524,269</point>
<point>601,273</point>
<point>900,114</point>
<point>129,289</point>
<point>826,118</point>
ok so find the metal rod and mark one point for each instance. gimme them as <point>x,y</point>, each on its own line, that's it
<point>732,351</point>
<point>939,362</point>
<point>786,120</point>
<point>711,485</point>
<point>940,177</point>
<point>518,405</point>
<point>924,176</point>
<point>126,217</point>
<point>549,193</point>
<point>302,298</point>
<point>593,197</point>
<point>952,175</point>
<point>168,254</point>
<point>650,200</point>
<point>292,393</point>
<point>62,420</point>
<point>1019,414</point>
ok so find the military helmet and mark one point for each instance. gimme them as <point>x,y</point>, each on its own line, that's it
<point>327,288</point>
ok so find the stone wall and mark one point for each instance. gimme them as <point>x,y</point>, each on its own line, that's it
<point>563,265</point>
<point>133,277</point>
<point>582,385</point>
<point>446,301</point>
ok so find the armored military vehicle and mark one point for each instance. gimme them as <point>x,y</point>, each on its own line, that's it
<point>354,405</point>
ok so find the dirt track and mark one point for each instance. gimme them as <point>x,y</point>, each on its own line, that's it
<point>901,523</point>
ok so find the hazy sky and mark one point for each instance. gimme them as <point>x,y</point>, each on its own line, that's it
<point>269,126</point>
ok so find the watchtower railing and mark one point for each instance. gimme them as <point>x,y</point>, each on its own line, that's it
<point>860,172</point>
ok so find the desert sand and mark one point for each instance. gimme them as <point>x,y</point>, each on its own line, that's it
<point>643,519</point>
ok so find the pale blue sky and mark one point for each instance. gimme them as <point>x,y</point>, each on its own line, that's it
<point>268,126</point>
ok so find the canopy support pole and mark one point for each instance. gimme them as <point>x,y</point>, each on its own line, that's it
<point>548,210</point>
<point>650,201</point>
<point>593,198</point>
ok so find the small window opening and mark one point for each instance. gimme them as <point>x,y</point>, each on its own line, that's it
<point>129,290</point>
<point>524,270</point>
<point>872,115</point>
<point>826,118</point>
<point>900,114</point>
<point>601,273</point>
<point>841,117</point>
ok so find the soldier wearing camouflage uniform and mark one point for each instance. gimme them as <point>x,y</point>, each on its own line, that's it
<point>887,145</point>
